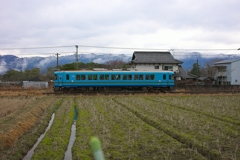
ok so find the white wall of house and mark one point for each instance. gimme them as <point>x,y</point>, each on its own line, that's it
<point>235,73</point>
<point>147,67</point>
<point>231,74</point>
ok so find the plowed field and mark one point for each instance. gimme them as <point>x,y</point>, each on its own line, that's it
<point>129,127</point>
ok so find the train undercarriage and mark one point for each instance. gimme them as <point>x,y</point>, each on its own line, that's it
<point>110,89</point>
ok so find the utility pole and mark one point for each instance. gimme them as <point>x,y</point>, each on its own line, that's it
<point>57,60</point>
<point>76,55</point>
<point>197,75</point>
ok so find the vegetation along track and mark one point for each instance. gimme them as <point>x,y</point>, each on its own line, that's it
<point>127,92</point>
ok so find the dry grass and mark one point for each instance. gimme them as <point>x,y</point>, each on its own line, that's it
<point>15,125</point>
<point>10,105</point>
<point>22,92</point>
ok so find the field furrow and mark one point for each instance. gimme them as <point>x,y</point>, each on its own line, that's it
<point>19,132</point>
<point>225,108</point>
<point>162,126</point>
<point>195,111</point>
<point>184,139</point>
<point>55,142</point>
<point>205,133</point>
<point>123,134</point>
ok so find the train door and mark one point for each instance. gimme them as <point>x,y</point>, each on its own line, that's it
<point>60,80</point>
<point>165,79</point>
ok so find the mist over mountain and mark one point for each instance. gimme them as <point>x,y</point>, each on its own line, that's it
<point>8,62</point>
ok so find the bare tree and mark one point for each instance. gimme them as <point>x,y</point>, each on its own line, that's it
<point>116,64</point>
<point>209,68</point>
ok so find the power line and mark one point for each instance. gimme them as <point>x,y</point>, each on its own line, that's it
<point>127,48</point>
<point>36,47</point>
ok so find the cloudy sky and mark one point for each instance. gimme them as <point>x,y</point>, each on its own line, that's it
<point>134,24</point>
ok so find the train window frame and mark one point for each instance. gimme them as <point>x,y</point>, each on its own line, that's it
<point>116,77</point>
<point>106,77</point>
<point>129,77</point>
<point>67,77</point>
<point>164,76</point>
<point>90,77</point>
<point>170,77</point>
<point>83,77</point>
<point>101,77</point>
<point>56,77</point>
<point>95,77</point>
<point>150,77</point>
<point>78,77</point>
<point>136,76</point>
<point>141,77</point>
<point>125,77</point>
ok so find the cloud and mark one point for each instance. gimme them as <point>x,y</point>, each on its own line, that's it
<point>136,23</point>
<point>3,67</point>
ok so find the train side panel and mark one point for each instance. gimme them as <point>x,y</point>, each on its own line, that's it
<point>78,79</point>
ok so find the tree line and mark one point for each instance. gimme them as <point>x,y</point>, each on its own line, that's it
<point>35,74</point>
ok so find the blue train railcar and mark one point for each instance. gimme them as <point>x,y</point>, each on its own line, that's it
<point>105,80</point>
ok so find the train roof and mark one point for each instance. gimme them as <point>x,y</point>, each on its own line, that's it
<point>110,71</point>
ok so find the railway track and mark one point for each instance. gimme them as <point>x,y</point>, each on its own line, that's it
<point>139,92</point>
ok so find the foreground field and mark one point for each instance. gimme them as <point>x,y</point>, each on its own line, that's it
<point>129,127</point>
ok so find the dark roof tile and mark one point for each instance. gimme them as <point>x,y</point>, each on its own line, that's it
<point>153,57</point>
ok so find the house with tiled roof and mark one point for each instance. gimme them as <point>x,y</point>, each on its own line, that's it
<point>158,61</point>
<point>228,72</point>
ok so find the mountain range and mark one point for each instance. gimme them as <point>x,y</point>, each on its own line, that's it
<point>8,62</point>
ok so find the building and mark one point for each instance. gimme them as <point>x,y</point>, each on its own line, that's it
<point>227,72</point>
<point>36,85</point>
<point>205,80</point>
<point>158,61</point>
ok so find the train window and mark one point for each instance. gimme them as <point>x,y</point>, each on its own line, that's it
<point>56,77</point>
<point>106,77</point>
<point>101,77</point>
<point>83,77</point>
<point>129,77</point>
<point>89,77</point>
<point>116,77</point>
<point>152,77</point>
<point>113,77</point>
<point>135,77</point>
<point>164,77</point>
<point>149,77</point>
<point>94,77</point>
<point>138,77</point>
<point>170,76</point>
<point>124,77</point>
<point>77,77</point>
<point>67,77</point>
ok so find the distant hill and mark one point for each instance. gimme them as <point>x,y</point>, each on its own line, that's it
<point>8,62</point>
<point>189,59</point>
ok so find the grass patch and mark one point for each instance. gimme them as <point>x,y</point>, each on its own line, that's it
<point>55,142</point>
